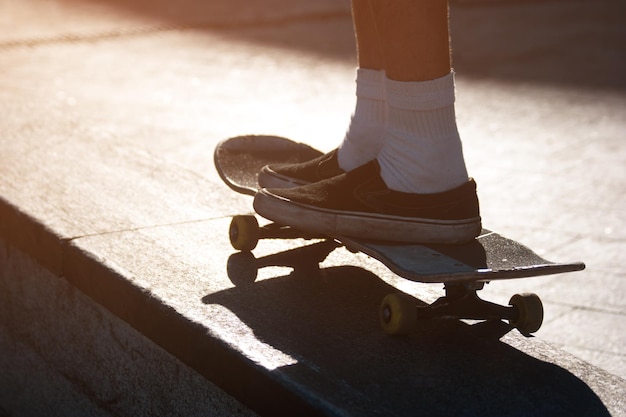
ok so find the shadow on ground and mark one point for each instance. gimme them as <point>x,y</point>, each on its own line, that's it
<point>575,43</point>
<point>444,368</point>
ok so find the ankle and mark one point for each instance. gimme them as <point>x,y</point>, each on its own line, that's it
<point>364,136</point>
<point>422,152</point>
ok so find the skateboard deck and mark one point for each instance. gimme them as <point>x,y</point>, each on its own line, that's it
<point>463,269</point>
<point>238,160</point>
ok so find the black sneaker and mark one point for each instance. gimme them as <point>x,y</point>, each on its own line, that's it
<point>294,175</point>
<point>358,204</point>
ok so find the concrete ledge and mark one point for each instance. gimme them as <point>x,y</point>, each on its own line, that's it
<point>305,338</point>
<point>64,355</point>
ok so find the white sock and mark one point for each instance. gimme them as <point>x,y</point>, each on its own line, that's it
<point>364,137</point>
<point>422,152</point>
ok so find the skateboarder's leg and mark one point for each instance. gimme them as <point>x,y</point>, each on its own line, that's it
<point>417,190</point>
<point>368,44</point>
<point>422,151</point>
<point>364,136</point>
<point>365,133</point>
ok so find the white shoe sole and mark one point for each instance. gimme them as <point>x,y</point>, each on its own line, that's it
<point>370,226</point>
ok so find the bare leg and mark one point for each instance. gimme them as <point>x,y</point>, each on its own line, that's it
<point>364,136</point>
<point>370,54</point>
<point>414,37</point>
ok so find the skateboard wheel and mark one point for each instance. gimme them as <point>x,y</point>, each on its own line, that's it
<point>529,312</point>
<point>244,232</point>
<point>398,314</point>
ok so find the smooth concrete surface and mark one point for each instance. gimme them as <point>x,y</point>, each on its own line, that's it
<point>110,114</point>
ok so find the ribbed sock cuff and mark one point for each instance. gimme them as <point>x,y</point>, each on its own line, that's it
<point>421,95</point>
<point>370,84</point>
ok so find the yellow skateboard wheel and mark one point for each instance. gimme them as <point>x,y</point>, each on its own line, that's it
<point>244,232</point>
<point>529,312</point>
<point>398,314</point>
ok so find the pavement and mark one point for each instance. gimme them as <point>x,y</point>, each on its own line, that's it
<point>111,110</point>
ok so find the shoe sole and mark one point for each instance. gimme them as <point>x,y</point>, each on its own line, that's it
<point>368,226</point>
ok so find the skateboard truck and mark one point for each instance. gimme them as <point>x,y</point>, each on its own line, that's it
<point>399,314</point>
<point>244,232</point>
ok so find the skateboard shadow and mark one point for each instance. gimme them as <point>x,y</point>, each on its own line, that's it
<point>327,318</point>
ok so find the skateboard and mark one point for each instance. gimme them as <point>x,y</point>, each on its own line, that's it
<point>462,269</point>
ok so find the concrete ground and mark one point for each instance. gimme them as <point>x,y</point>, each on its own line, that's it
<point>103,102</point>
